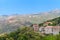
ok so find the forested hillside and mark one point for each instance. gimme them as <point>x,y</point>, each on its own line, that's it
<point>27,33</point>
<point>52,22</point>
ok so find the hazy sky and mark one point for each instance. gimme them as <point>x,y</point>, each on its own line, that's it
<point>27,6</point>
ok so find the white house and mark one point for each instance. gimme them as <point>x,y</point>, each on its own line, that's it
<point>41,29</point>
<point>50,30</point>
<point>56,29</point>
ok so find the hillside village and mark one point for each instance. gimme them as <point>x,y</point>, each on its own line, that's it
<point>48,27</point>
<point>48,30</point>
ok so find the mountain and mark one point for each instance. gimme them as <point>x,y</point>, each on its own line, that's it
<point>12,22</point>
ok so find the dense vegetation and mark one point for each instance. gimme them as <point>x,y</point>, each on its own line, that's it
<point>27,33</point>
<point>54,22</point>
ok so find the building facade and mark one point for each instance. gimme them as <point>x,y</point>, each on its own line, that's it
<point>50,30</point>
<point>35,27</point>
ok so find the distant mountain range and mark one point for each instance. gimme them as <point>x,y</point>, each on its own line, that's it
<point>12,22</point>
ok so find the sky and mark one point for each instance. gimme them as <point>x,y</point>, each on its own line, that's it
<point>8,7</point>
